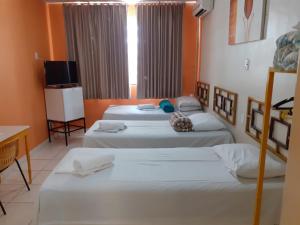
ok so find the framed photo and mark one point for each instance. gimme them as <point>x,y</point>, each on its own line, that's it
<point>246,21</point>
<point>257,120</point>
<point>280,132</point>
<point>227,105</point>
<point>219,101</point>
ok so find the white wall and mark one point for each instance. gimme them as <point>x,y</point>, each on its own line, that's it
<point>223,65</point>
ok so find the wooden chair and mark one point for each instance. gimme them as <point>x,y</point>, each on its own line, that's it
<point>8,155</point>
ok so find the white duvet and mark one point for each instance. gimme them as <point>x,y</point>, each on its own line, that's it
<point>153,134</point>
<point>184,186</point>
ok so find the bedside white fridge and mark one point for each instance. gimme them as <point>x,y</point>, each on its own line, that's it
<point>64,106</point>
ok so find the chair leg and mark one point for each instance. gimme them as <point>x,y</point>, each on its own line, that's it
<point>22,174</point>
<point>2,207</point>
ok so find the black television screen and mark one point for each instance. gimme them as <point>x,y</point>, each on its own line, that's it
<point>60,72</point>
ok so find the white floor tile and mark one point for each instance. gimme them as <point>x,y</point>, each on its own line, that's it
<point>19,203</point>
<point>9,192</point>
<point>28,196</point>
<point>40,177</point>
<point>36,164</point>
<point>48,152</point>
<point>18,214</point>
<point>51,165</point>
<point>15,177</point>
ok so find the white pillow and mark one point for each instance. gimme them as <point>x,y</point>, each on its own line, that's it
<point>205,122</point>
<point>243,160</point>
<point>190,108</point>
<point>185,101</point>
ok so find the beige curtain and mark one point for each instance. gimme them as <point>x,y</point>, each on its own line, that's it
<point>96,38</point>
<point>159,50</point>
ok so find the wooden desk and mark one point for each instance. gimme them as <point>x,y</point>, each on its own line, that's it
<point>9,133</point>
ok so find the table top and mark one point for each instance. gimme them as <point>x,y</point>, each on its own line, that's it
<point>9,131</point>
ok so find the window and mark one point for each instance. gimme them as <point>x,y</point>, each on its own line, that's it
<point>132,44</point>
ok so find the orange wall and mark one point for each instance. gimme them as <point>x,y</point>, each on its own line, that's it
<point>94,108</point>
<point>23,30</point>
<point>189,50</point>
<point>57,40</point>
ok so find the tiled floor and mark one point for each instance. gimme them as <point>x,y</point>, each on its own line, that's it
<point>21,205</point>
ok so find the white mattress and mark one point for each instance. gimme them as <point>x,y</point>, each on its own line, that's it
<point>153,134</point>
<point>131,112</point>
<point>184,186</point>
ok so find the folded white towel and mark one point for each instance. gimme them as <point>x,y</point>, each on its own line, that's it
<point>111,126</point>
<point>146,107</point>
<point>86,165</point>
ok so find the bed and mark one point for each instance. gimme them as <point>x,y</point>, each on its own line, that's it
<point>153,134</point>
<point>189,186</point>
<point>131,112</point>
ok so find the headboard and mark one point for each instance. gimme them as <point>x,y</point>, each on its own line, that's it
<point>225,104</point>
<point>202,92</point>
<point>279,131</point>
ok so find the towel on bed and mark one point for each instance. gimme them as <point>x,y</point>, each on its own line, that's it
<point>166,105</point>
<point>146,107</point>
<point>180,122</point>
<point>111,126</point>
<point>86,165</point>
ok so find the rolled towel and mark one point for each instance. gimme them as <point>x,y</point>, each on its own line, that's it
<point>111,126</point>
<point>89,164</point>
<point>167,106</point>
<point>146,107</point>
<point>180,122</point>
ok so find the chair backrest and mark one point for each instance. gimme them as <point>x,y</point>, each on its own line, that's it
<point>8,153</point>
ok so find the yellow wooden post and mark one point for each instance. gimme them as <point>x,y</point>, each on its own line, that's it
<point>263,147</point>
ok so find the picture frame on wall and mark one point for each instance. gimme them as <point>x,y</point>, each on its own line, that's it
<point>246,21</point>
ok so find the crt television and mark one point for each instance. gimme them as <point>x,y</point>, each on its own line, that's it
<point>60,72</point>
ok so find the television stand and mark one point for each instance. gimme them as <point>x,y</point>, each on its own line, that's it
<point>64,127</point>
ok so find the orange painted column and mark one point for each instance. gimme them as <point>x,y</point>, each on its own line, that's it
<point>189,47</point>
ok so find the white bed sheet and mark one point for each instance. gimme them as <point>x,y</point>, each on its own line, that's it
<point>197,190</point>
<point>131,112</point>
<point>153,134</point>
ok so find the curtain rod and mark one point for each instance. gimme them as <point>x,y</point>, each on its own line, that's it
<point>120,1</point>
